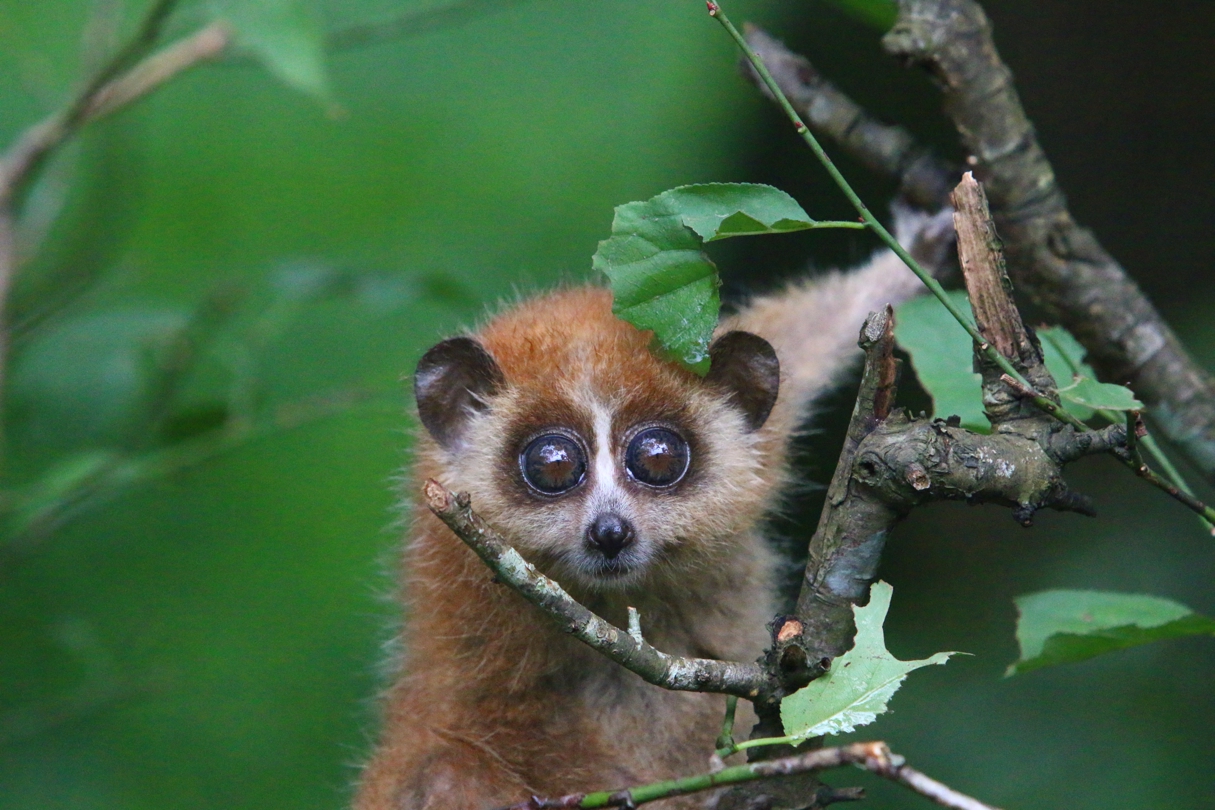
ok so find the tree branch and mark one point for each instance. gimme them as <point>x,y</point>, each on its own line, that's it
<point>887,149</point>
<point>875,757</point>
<point>668,671</point>
<point>1060,264</point>
<point>892,463</point>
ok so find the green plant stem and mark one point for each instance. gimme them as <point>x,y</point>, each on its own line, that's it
<point>988,351</point>
<point>725,751</point>
<point>840,223</point>
<point>874,757</point>
<point>725,740</point>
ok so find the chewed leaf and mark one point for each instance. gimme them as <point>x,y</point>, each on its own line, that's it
<point>660,277</point>
<point>1100,396</point>
<point>1060,627</point>
<point>943,358</point>
<point>859,684</point>
<point>721,210</point>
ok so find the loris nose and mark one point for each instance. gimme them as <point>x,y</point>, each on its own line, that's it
<point>611,534</point>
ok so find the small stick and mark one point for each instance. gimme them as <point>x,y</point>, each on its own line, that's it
<point>875,757</point>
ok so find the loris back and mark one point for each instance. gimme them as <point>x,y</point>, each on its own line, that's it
<point>630,481</point>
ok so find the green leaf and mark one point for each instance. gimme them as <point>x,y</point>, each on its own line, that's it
<point>1083,395</point>
<point>943,358</point>
<point>287,36</point>
<point>1060,627</point>
<point>721,210</point>
<point>1100,396</point>
<point>1064,357</point>
<point>859,683</point>
<point>661,279</point>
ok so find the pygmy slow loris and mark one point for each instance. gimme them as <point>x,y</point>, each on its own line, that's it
<point>632,482</point>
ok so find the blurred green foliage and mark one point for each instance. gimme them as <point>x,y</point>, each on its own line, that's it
<point>204,415</point>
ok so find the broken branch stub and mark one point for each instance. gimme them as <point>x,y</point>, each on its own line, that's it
<point>892,463</point>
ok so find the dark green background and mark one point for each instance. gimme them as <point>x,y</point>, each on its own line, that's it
<point>212,639</point>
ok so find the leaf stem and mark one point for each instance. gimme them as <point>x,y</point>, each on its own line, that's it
<point>840,223</point>
<point>725,740</point>
<point>989,351</point>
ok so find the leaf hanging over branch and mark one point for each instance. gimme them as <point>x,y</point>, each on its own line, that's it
<point>945,366</point>
<point>1062,627</point>
<point>943,360</point>
<point>662,281</point>
<point>859,684</point>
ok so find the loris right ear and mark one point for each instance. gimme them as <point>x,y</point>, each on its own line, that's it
<point>744,367</point>
<point>451,383</point>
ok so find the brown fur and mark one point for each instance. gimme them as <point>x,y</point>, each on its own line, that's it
<point>496,703</point>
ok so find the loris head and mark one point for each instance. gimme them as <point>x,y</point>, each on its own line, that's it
<point>596,459</point>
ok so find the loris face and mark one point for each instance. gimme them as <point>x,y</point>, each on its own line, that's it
<point>596,460</point>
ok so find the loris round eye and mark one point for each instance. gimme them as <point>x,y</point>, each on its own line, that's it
<point>658,457</point>
<point>553,464</point>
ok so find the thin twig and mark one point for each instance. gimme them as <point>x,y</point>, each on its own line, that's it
<point>1131,457</point>
<point>658,668</point>
<point>875,757</point>
<point>887,149</point>
<point>1172,475</point>
<point>99,100</point>
<point>725,740</point>
<point>202,46</point>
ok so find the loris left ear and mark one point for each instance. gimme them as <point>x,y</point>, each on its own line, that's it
<point>744,367</point>
<point>453,380</point>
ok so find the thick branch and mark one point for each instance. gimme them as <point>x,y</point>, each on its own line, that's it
<point>891,463</point>
<point>875,757</point>
<point>847,545</point>
<point>668,671</point>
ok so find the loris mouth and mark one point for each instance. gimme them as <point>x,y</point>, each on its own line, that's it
<point>613,572</point>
